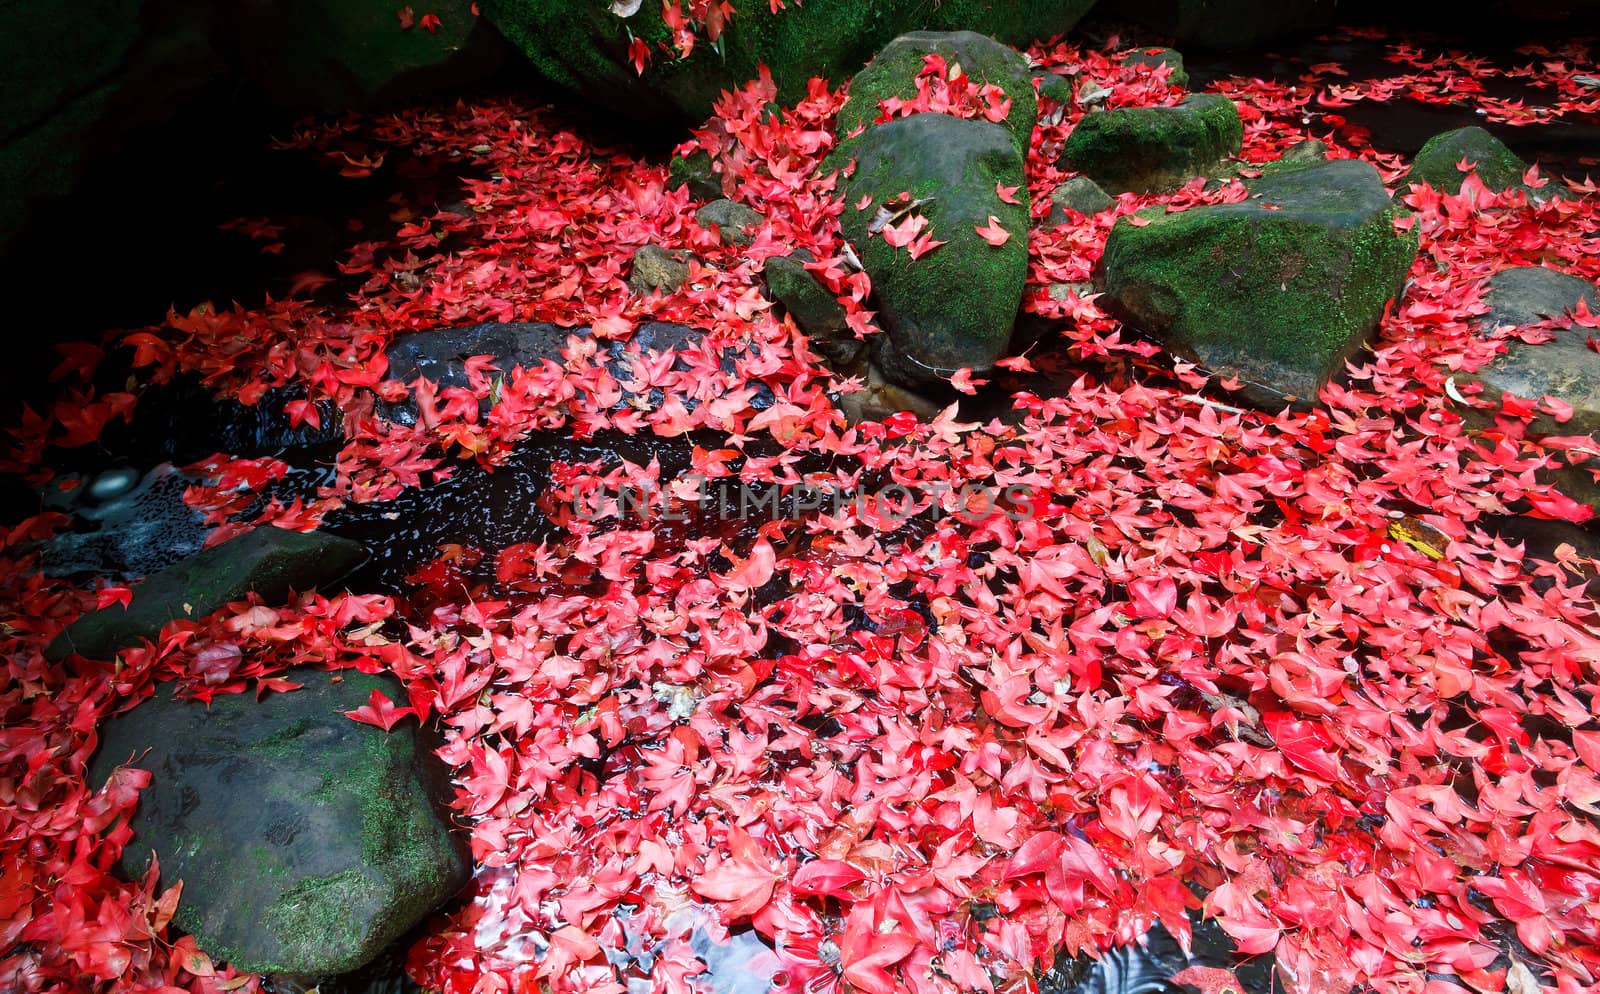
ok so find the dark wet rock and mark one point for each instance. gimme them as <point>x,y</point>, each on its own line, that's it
<point>893,73</point>
<point>1154,57</point>
<point>583,46</point>
<point>1228,24</point>
<point>441,355</point>
<point>956,305</point>
<point>1280,289</point>
<point>127,525</point>
<point>1565,367</point>
<point>1310,150</point>
<point>183,422</point>
<point>695,172</point>
<point>815,310</point>
<point>734,223</point>
<point>1437,164</point>
<point>1078,195</point>
<point>1154,149</point>
<point>268,562</point>
<point>306,842</point>
<point>881,399</point>
<point>658,270</point>
<point>1055,86</point>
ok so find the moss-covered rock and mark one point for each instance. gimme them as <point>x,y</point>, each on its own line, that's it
<point>1437,162</point>
<point>954,306</point>
<point>815,310</point>
<point>1078,195</point>
<point>267,561</point>
<point>582,45</point>
<point>1279,289</point>
<point>1310,150</point>
<point>1054,86</point>
<point>306,842</point>
<point>733,222</point>
<point>893,73</point>
<point>1154,149</point>
<point>1154,57</point>
<point>1227,24</point>
<point>696,172</point>
<point>329,55</point>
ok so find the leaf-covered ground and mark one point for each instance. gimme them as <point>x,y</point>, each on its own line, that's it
<point>920,756</point>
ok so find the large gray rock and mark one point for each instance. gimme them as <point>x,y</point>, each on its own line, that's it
<point>1154,149</point>
<point>267,561</point>
<point>306,841</point>
<point>954,306</point>
<point>1565,367</point>
<point>1280,288</point>
<point>1079,195</point>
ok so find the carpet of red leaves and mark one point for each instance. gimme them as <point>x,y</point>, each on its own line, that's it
<point>1206,660</point>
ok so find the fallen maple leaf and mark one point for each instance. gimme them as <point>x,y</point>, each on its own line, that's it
<point>992,232</point>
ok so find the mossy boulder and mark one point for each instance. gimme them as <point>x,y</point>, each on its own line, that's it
<point>1078,195</point>
<point>267,561</point>
<point>1155,57</point>
<point>1279,289</point>
<point>583,46</point>
<point>1154,149</point>
<point>815,310</point>
<point>324,56</point>
<point>1437,163</point>
<point>1228,24</point>
<point>306,841</point>
<point>953,307</point>
<point>1564,367</point>
<point>892,73</point>
<point>1054,86</point>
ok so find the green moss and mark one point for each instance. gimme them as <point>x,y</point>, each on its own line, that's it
<point>1154,149</point>
<point>1437,162</point>
<point>1283,297</point>
<point>581,45</point>
<point>892,73</point>
<point>955,306</point>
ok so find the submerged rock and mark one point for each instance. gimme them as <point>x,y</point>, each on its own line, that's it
<point>1279,289</point>
<point>306,841</point>
<point>954,306</point>
<point>129,526</point>
<point>892,73</point>
<point>1437,163</point>
<point>268,562</point>
<point>1154,149</point>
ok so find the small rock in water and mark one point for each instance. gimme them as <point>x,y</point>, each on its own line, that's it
<point>814,309</point>
<point>1154,57</point>
<point>1080,195</point>
<point>694,171</point>
<point>732,221</point>
<point>1310,150</point>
